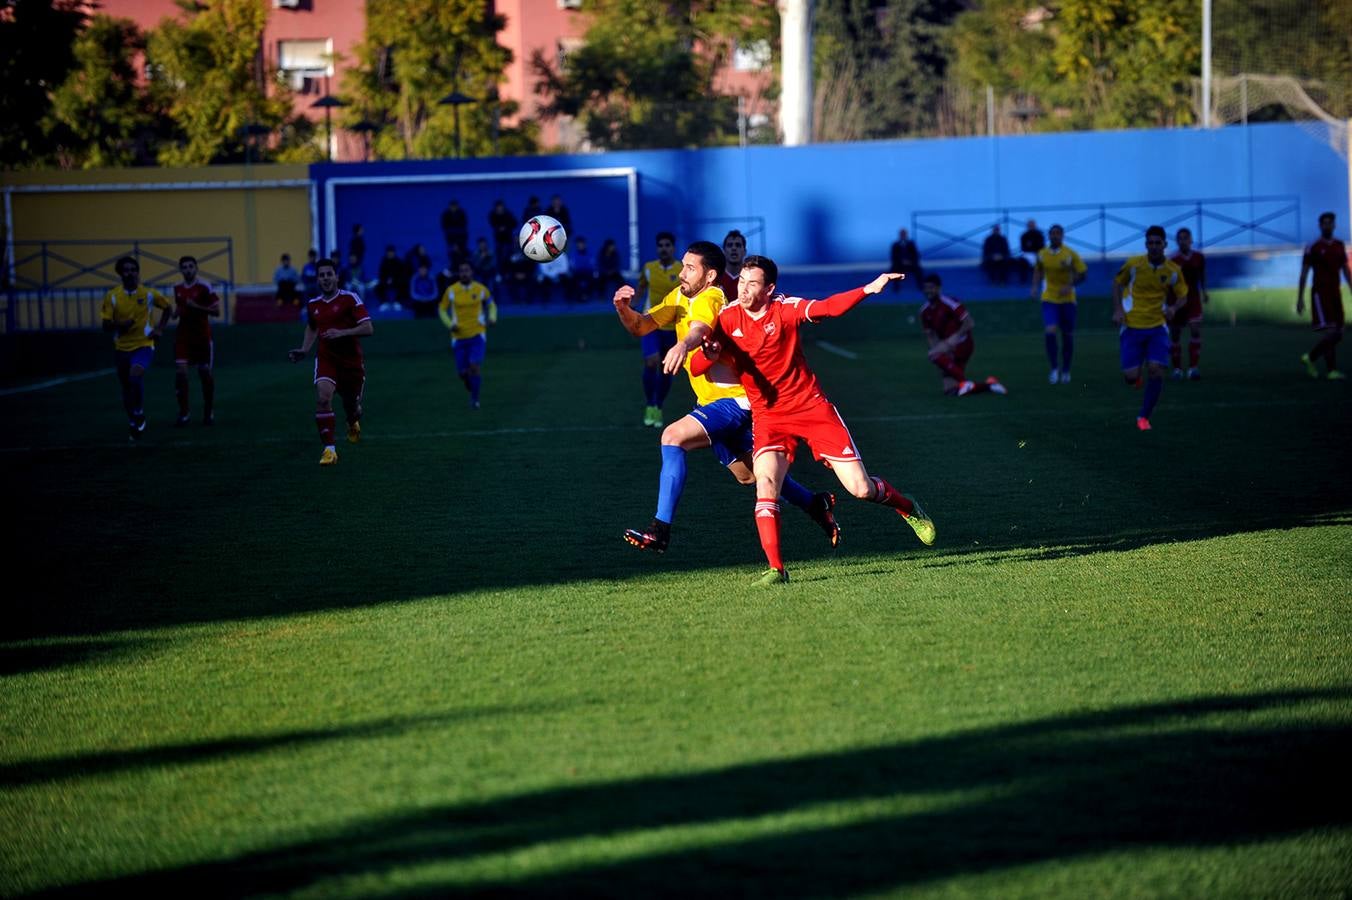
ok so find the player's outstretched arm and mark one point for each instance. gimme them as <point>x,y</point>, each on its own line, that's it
<point>881,281</point>
<point>636,323</point>
<point>839,304</point>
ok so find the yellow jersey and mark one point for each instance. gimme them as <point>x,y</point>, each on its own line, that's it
<point>678,311</point>
<point>467,309</point>
<point>1059,268</point>
<point>1147,288</point>
<point>660,281</point>
<point>119,305</point>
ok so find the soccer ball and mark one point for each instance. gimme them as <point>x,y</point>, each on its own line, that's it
<point>542,238</point>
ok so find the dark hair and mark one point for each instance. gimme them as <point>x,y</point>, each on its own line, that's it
<point>1056,227</point>
<point>123,261</point>
<point>183,259</point>
<point>710,254</point>
<point>1327,215</point>
<point>933,278</point>
<point>1156,231</point>
<point>326,262</point>
<point>732,234</point>
<point>1182,231</point>
<point>765,264</point>
<point>665,235</point>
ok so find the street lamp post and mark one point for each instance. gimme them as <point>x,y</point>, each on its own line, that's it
<point>327,103</point>
<point>455,100</point>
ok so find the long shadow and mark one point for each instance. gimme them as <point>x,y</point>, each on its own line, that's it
<point>79,765</point>
<point>22,659</point>
<point>1188,774</point>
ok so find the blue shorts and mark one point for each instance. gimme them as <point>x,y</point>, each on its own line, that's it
<point>1060,315</point>
<point>469,352</point>
<point>657,343</point>
<point>1144,344</point>
<point>141,356</point>
<point>728,427</point>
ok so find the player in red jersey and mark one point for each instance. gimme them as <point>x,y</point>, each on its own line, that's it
<point>194,303</point>
<point>1328,258</point>
<point>734,251</point>
<point>948,328</point>
<point>758,337</point>
<point>336,319</point>
<point>1193,264</point>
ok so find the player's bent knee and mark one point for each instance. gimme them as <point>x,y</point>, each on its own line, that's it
<point>136,371</point>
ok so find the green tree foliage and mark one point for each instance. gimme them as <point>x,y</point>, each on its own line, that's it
<point>416,52</point>
<point>36,54</point>
<point>209,75</point>
<point>98,113</point>
<point>1087,63</point>
<point>889,58</point>
<point>1310,40</point>
<point>644,75</point>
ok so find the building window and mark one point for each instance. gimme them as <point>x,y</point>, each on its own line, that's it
<point>305,63</point>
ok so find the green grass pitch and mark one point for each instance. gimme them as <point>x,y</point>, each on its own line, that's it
<point>1124,669</point>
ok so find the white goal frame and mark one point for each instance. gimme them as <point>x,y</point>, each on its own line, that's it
<point>629,173</point>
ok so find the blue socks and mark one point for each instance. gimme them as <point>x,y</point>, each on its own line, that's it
<point>670,482</point>
<point>1050,340</point>
<point>795,493</point>
<point>1153,388</point>
<point>650,376</point>
<point>1067,349</point>
<point>474,381</point>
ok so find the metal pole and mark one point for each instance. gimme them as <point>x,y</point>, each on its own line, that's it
<point>328,131</point>
<point>457,131</point>
<point>990,110</point>
<point>795,102</point>
<point>1206,63</point>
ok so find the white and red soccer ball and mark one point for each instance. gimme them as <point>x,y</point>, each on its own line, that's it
<point>542,238</point>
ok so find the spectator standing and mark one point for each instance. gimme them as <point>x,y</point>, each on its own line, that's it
<point>584,269</point>
<point>389,279</point>
<point>608,267</point>
<point>484,264</point>
<point>1030,242</point>
<point>286,278</point>
<point>357,244</point>
<point>455,229</point>
<point>906,260</point>
<point>995,256</point>
<point>559,211</point>
<point>503,225</point>
<point>422,291</point>
<point>532,208</point>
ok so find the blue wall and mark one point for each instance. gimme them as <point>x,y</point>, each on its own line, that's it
<point>841,204</point>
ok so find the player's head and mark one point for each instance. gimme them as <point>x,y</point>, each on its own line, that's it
<point>1155,242</point>
<point>1326,222</point>
<point>326,271</point>
<point>187,267</point>
<point>1055,235</point>
<point>932,285</point>
<point>756,284</point>
<point>734,248</point>
<point>313,255</point>
<point>700,267</point>
<point>466,273</point>
<point>1183,238</point>
<point>129,270</point>
<point>666,246</point>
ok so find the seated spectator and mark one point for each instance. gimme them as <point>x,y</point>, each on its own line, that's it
<point>906,260</point>
<point>485,264</point>
<point>532,208</point>
<point>352,278</point>
<point>609,268</point>
<point>422,291</point>
<point>583,264</point>
<point>555,274</point>
<point>1030,242</point>
<point>390,280</point>
<point>522,284</point>
<point>995,256</point>
<point>309,275</point>
<point>417,256</point>
<point>558,210</point>
<point>286,279</point>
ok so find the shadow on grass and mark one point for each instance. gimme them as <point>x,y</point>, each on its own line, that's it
<point>1205,772</point>
<point>79,765</point>
<point>22,659</point>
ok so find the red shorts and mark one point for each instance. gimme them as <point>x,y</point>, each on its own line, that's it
<point>1191,311</point>
<point>348,380</point>
<point>820,425</point>
<point>1326,309</point>
<point>194,350</point>
<point>963,352</point>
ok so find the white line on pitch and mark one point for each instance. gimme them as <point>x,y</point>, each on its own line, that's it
<point>838,351</point>
<point>55,382</point>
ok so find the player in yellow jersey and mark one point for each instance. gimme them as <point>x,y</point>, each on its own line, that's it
<point>721,418</point>
<point>1147,291</point>
<point>658,278</point>
<point>1057,271</point>
<point>126,314</point>
<point>467,309</point>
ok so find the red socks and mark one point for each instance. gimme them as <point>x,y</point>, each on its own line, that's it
<point>890,496</point>
<point>767,523</point>
<point>324,421</point>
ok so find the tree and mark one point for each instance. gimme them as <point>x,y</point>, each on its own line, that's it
<point>1091,63</point>
<point>644,74</point>
<point>36,55</point>
<point>416,52</point>
<point>209,75</point>
<point>886,61</point>
<point>98,113</point>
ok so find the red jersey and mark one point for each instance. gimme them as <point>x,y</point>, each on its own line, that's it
<point>194,323</point>
<point>768,356</point>
<point>1326,260</point>
<point>1194,272</point>
<point>944,316</point>
<point>344,310</point>
<point>729,285</point>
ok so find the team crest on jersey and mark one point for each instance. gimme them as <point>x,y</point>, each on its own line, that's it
<point>769,327</point>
